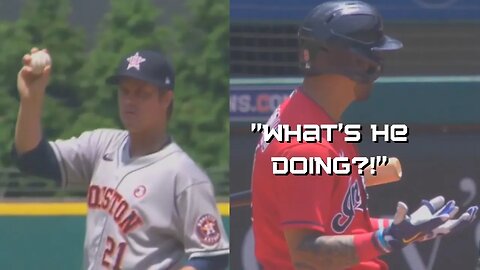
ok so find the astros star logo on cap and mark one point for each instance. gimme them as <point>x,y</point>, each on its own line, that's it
<point>134,61</point>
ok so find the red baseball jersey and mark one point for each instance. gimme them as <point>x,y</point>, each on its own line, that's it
<point>330,204</point>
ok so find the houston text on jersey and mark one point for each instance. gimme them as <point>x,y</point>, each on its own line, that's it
<point>110,200</point>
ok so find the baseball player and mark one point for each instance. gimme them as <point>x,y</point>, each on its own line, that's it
<point>149,205</point>
<point>322,221</point>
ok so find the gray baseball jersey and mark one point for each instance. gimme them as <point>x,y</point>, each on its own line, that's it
<point>149,212</point>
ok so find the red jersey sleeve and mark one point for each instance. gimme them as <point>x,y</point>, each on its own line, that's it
<point>304,201</point>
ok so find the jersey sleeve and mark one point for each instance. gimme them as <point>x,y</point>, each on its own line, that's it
<point>77,156</point>
<point>40,161</point>
<point>304,201</point>
<point>201,229</point>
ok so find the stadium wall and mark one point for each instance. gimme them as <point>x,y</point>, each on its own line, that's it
<point>49,236</point>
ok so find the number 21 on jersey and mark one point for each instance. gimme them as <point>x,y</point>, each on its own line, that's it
<point>113,254</point>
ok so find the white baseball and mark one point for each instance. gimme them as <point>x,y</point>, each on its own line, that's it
<point>39,61</point>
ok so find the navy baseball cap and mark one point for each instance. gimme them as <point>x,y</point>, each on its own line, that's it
<point>149,66</point>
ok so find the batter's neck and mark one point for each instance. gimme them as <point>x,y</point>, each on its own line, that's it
<point>333,94</point>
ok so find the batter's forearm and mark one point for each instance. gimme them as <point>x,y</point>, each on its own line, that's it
<point>311,250</point>
<point>28,129</point>
<point>326,252</point>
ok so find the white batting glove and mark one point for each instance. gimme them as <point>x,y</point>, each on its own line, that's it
<point>454,225</point>
<point>407,229</point>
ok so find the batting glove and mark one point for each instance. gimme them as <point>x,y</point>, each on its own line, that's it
<point>407,229</point>
<point>454,225</point>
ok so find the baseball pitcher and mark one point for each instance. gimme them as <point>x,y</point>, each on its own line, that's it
<point>150,206</point>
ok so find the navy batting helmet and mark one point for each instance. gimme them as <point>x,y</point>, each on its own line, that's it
<point>344,37</point>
